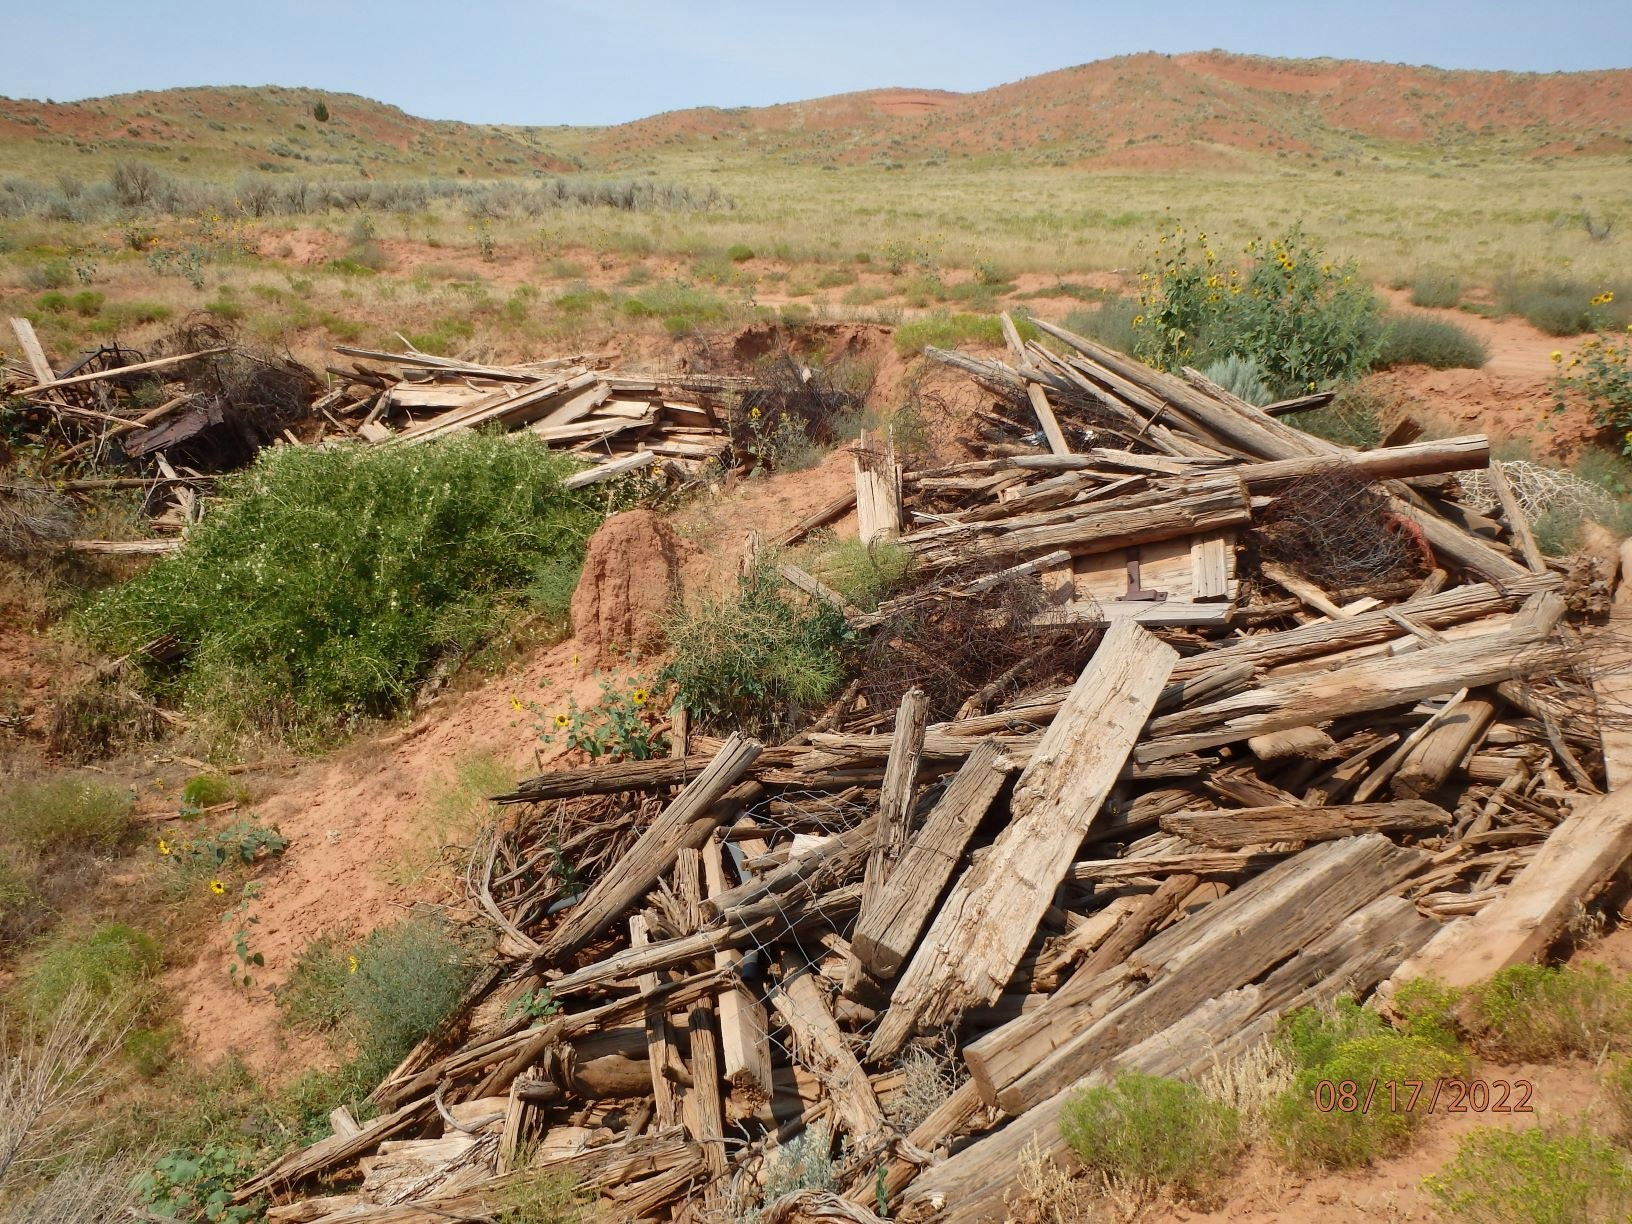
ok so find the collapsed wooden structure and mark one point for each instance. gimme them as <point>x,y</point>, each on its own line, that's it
<point>1259,793</point>
<point>619,422</point>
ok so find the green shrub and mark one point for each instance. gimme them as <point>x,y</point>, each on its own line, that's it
<point>1324,1118</point>
<point>1304,319</point>
<point>756,659</point>
<point>1420,339</point>
<point>199,1186</point>
<point>151,1050</point>
<point>1353,418</point>
<point>64,813</point>
<point>865,574</point>
<point>540,1197</point>
<point>865,295</point>
<point>738,253</point>
<point>680,306</point>
<point>113,962</point>
<point>326,582</point>
<point>208,790</point>
<point>1242,377</point>
<point>834,278</point>
<point>1110,323</point>
<point>87,303</point>
<point>1442,290</point>
<point>409,977</point>
<point>52,274</point>
<point>1527,1013</point>
<point>1153,1134</point>
<point>1533,1177</point>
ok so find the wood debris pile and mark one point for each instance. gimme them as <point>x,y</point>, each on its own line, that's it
<point>895,944</point>
<point>619,422</point>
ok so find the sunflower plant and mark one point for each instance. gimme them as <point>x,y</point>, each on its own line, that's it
<point>623,724</point>
<point>1282,302</point>
<point>1600,374</point>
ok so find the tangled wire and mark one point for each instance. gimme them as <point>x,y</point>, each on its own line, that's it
<point>1336,530</point>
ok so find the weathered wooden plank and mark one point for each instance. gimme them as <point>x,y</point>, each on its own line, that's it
<point>982,931</point>
<point>1234,829</point>
<point>887,933</point>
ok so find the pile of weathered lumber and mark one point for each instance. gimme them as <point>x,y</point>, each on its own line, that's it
<point>890,948</point>
<point>620,422</point>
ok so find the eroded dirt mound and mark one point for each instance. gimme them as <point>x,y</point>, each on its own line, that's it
<point>631,577</point>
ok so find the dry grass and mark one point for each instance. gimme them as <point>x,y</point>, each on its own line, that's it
<point>1044,1193</point>
<point>1250,1083</point>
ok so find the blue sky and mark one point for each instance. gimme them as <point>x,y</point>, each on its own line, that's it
<point>579,61</point>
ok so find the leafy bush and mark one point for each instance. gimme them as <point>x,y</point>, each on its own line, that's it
<point>1530,1012</point>
<point>199,1186</point>
<point>739,253</point>
<point>1420,339</point>
<point>1533,1177</point>
<point>1111,323</point>
<point>1601,374</point>
<point>1304,319</point>
<point>622,725</point>
<point>680,306</point>
<point>327,582</point>
<point>756,659</point>
<point>1437,289</point>
<point>1323,1119</point>
<point>64,813</point>
<point>1242,377</point>
<point>1151,1133</point>
<point>111,962</point>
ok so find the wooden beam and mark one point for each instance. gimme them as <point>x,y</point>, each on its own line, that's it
<point>987,923</point>
<point>1235,829</point>
<point>158,363</point>
<point>886,933</point>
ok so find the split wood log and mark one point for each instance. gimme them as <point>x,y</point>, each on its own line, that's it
<point>820,1046</point>
<point>878,491</point>
<point>33,353</point>
<point>1235,829</point>
<point>982,931</point>
<point>820,517</point>
<point>894,826</point>
<point>888,931</point>
<point>1573,864</point>
<point>1441,752</point>
<point>1034,391</point>
<point>744,1045</point>
<point>1374,684</point>
<point>1517,523</point>
<point>705,1112</point>
<point>660,1051</point>
<point>80,380</point>
<point>685,823</point>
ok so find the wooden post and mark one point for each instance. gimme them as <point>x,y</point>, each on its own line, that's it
<point>744,1046</point>
<point>878,491</point>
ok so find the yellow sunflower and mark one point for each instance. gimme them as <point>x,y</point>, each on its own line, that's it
<point>217,887</point>
<point>164,846</point>
<point>639,696</point>
<point>563,720</point>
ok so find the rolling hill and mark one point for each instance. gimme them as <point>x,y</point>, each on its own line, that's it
<point>1140,110</point>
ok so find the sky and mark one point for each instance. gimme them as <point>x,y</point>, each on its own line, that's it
<point>583,61</point>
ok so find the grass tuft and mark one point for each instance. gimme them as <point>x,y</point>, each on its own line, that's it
<point>1437,289</point>
<point>1527,1013</point>
<point>64,813</point>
